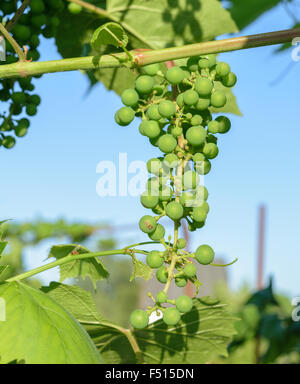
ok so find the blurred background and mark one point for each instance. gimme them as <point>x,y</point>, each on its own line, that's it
<point>48,189</point>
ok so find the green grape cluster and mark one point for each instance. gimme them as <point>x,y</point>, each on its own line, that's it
<point>41,17</point>
<point>176,106</point>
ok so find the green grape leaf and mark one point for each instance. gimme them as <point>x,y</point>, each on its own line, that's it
<point>109,34</point>
<point>231,104</point>
<point>246,11</point>
<point>163,23</point>
<point>140,269</point>
<point>40,331</point>
<point>92,268</point>
<point>75,300</point>
<point>201,336</point>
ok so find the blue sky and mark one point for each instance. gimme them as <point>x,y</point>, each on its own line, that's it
<point>52,171</point>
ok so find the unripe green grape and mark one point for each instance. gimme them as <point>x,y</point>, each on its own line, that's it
<point>124,116</point>
<point>8,142</point>
<point>147,224</point>
<point>158,234</point>
<point>199,214</point>
<point>229,80</point>
<point>130,97</point>
<point>196,135</point>
<point>181,282</point>
<point>203,86</point>
<point>171,160</point>
<point>18,97</point>
<point>202,104</point>
<point>152,129</point>
<point>218,99</point>
<point>222,69</point>
<point>190,180</point>
<point>74,8</point>
<point>31,109</point>
<point>153,113</point>
<point>162,274</point>
<point>213,126</point>
<point>149,201</point>
<point>192,63</point>
<point>190,97</point>
<point>155,259</point>
<point>21,131</point>
<point>175,75</point>
<point>151,69</point>
<point>176,131</point>
<point>37,6</point>
<point>205,254</point>
<point>154,166</point>
<point>184,304</point>
<point>174,210</point>
<point>139,319</point>
<point>171,316</point>
<point>196,120</point>
<point>167,143</point>
<point>210,150</point>
<point>161,297</point>
<point>167,108</point>
<point>165,193</point>
<point>179,100</point>
<point>224,124</point>
<point>144,84</point>
<point>181,243</point>
<point>190,270</point>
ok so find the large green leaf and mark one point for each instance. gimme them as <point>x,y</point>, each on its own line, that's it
<point>246,11</point>
<point>92,268</point>
<point>40,331</point>
<point>201,336</point>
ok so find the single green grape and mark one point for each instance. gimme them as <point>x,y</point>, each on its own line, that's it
<point>153,113</point>
<point>167,143</point>
<point>158,234</point>
<point>205,254</point>
<point>213,126</point>
<point>166,108</point>
<point>171,316</point>
<point>190,270</point>
<point>147,224</point>
<point>203,86</point>
<point>224,124</point>
<point>154,166</point>
<point>149,201</point>
<point>181,243</point>
<point>74,8</point>
<point>155,259</point>
<point>222,69</point>
<point>218,99</point>
<point>196,135</point>
<point>174,210</point>
<point>184,304</point>
<point>161,297</point>
<point>130,97</point>
<point>144,84</point>
<point>139,319</point>
<point>190,180</point>
<point>124,116</point>
<point>190,97</point>
<point>162,274</point>
<point>181,282</point>
<point>151,69</point>
<point>210,150</point>
<point>151,129</point>
<point>175,75</point>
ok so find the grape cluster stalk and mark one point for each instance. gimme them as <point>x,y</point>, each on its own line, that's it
<point>175,105</point>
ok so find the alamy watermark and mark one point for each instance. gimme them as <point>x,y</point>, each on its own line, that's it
<point>132,179</point>
<point>2,309</point>
<point>296,51</point>
<point>296,311</point>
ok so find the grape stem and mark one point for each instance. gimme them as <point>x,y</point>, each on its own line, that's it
<point>148,57</point>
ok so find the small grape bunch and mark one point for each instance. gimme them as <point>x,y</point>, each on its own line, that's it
<point>176,106</point>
